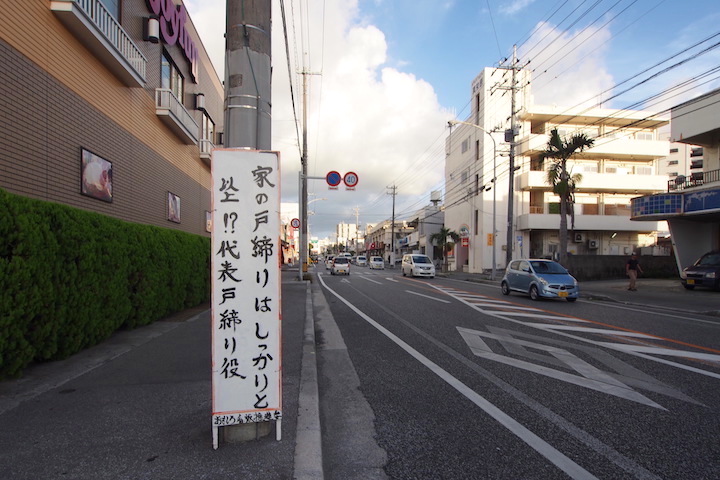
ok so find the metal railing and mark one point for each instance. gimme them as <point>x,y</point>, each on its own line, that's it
<point>166,99</point>
<point>114,33</point>
<point>206,147</point>
<point>682,182</point>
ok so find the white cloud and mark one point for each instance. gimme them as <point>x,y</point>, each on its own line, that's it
<point>515,6</point>
<point>363,116</point>
<point>568,67</point>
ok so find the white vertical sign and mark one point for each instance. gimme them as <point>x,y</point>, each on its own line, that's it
<point>246,317</point>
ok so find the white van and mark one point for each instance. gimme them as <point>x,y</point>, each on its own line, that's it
<point>417,265</point>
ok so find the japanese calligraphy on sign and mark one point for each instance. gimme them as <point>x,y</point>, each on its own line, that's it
<point>246,361</point>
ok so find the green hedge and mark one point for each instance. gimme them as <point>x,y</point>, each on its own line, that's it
<point>70,278</point>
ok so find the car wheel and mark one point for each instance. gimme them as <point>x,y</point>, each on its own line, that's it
<point>534,293</point>
<point>412,272</point>
<point>505,288</point>
<point>403,272</point>
<point>571,299</point>
<point>689,287</point>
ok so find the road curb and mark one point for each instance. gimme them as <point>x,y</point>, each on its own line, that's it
<point>308,463</point>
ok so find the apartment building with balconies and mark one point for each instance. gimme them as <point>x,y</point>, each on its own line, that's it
<point>691,205</point>
<point>621,165</point>
<point>109,106</point>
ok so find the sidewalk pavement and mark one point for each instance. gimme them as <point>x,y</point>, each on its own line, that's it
<point>138,406</point>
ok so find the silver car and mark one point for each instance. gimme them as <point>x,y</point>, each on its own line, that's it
<point>540,279</point>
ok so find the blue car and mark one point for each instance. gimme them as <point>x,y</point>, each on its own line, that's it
<point>540,279</point>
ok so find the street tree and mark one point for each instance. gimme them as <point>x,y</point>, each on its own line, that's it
<point>560,150</point>
<point>445,240</point>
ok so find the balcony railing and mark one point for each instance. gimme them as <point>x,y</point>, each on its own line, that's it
<point>697,179</point>
<point>99,31</point>
<point>206,148</point>
<point>173,113</point>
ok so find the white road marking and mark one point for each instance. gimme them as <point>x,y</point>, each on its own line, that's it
<point>636,350</point>
<point>391,279</point>
<point>371,280</point>
<point>427,296</point>
<point>557,458</point>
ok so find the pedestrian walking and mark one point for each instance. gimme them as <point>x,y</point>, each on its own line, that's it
<point>632,269</point>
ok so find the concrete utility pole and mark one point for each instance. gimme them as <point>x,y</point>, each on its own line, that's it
<point>247,111</point>
<point>357,229</point>
<point>511,166</point>
<point>247,75</point>
<point>392,228</point>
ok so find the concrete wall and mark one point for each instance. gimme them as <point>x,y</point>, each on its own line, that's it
<point>605,267</point>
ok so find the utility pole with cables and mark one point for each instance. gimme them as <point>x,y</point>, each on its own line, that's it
<point>392,228</point>
<point>510,135</point>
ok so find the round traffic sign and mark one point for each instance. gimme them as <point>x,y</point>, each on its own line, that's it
<point>333,178</point>
<point>350,179</point>
<point>295,223</point>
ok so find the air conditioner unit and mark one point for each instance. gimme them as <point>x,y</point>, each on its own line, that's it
<point>579,238</point>
<point>593,244</point>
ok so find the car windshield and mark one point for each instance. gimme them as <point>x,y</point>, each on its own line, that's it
<point>376,259</point>
<point>341,260</point>
<point>710,260</point>
<point>548,267</point>
<point>421,259</point>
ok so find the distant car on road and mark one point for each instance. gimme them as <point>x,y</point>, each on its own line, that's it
<point>361,260</point>
<point>376,263</point>
<point>540,279</point>
<point>705,272</point>
<point>328,262</point>
<point>340,265</point>
<point>417,266</point>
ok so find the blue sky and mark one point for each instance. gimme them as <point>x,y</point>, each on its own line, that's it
<point>394,71</point>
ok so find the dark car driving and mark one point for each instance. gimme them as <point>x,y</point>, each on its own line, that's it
<point>703,273</point>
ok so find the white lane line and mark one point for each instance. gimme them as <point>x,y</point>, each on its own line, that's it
<point>558,459</point>
<point>391,279</point>
<point>371,280</point>
<point>428,296</point>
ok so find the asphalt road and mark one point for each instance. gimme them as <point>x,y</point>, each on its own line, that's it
<point>455,380</point>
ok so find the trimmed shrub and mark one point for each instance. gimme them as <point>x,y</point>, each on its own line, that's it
<point>70,278</point>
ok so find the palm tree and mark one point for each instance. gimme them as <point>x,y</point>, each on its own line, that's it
<point>563,183</point>
<point>445,246</point>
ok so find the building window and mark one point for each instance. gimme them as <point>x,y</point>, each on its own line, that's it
<point>674,150</point>
<point>673,162</point>
<point>643,170</point>
<point>673,174</point>
<point>465,145</point>
<point>113,7</point>
<point>171,78</point>
<point>208,128</point>
<point>644,136</point>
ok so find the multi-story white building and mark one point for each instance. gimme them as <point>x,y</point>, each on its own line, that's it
<point>621,165</point>
<point>346,234</point>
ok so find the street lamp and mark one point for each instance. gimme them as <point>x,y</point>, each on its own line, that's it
<point>494,181</point>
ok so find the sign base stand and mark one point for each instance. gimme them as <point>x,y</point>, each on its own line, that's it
<point>245,433</point>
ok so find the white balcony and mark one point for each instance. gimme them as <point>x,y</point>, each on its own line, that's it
<point>100,33</point>
<point>172,112</point>
<point>605,148</point>
<point>206,148</point>
<point>613,223</point>
<point>598,182</point>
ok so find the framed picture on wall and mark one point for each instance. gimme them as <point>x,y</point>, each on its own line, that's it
<point>173,207</point>
<point>96,176</point>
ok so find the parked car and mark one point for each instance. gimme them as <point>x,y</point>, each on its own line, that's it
<point>361,260</point>
<point>540,279</point>
<point>328,262</point>
<point>417,266</point>
<point>705,272</point>
<point>376,263</point>
<point>340,265</point>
